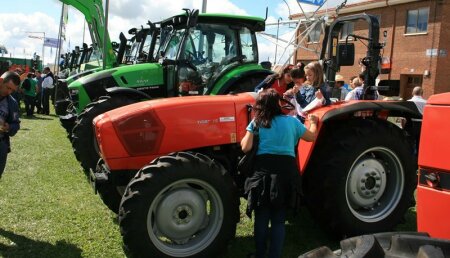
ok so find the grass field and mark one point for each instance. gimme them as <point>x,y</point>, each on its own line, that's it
<point>48,209</point>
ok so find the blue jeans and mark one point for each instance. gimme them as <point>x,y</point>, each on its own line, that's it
<point>277,220</point>
<point>3,155</point>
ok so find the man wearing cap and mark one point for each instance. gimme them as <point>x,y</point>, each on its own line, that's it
<point>339,91</point>
<point>9,114</point>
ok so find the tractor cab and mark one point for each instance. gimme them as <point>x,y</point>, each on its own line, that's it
<point>199,50</point>
<point>143,45</point>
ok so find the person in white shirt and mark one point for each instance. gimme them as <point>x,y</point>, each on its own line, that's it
<point>417,98</point>
<point>357,84</point>
<point>47,88</point>
<point>414,127</point>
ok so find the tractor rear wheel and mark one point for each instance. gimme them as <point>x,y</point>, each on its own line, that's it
<point>361,177</point>
<point>181,205</point>
<point>83,134</point>
<point>394,244</point>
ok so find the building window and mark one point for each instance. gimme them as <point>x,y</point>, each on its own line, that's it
<point>314,35</point>
<point>346,30</point>
<point>417,21</point>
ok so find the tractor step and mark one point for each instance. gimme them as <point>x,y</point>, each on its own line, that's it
<point>99,176</point>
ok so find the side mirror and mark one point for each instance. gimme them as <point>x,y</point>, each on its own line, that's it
<point>114,45</point>
<point>345,54</point>
<point>132,31</point>
<point>389,87</point>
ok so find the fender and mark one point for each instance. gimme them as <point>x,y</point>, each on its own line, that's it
<point>221,84</point>
<point>241,76</point>
<point>127,92</point>
<point>398,108</point>
<point>348,109</point>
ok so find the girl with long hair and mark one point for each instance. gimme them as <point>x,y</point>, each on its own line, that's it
<point>276,175</point>
<point>314,87</point>
<point>281,81</point>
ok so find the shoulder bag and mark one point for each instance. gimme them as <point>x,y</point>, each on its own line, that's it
<point>246,164</point>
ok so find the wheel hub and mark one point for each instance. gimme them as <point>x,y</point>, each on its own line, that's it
<point>367,182</point>
<point>180,214</point>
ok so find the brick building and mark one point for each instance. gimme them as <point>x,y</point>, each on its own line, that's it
<point>417,43</point>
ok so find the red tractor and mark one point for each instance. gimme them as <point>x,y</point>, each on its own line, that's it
<point>433,190</point>
<point>433,199</point>
<point>172,163</point>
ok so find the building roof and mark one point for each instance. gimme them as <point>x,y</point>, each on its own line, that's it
<point>356,7</point>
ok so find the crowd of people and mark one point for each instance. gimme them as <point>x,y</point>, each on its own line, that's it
<point>36,90</point>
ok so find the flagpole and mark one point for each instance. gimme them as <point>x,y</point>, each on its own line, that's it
<point>84,30</point>
<point>43,50</point>
<point>59,41</point>
<point>105,32</point>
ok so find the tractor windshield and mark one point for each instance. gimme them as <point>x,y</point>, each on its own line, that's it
<point>209,49</point>
<point>139,46</point>
<point>218,44</point>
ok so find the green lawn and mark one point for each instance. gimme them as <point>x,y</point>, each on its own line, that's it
<point>48,209</point>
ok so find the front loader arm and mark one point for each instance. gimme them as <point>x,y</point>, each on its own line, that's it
<point>94,15</point>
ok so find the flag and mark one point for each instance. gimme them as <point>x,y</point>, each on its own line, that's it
<point>312,2</point>
<point>65,13</point>
<point>65,19</point>
<point>51,42</point>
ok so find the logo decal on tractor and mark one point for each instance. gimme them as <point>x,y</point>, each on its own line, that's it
<point>226,119</point>
<point>205,121</point>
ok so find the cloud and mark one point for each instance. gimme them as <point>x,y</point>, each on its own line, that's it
<point>124,14</point>
<point>14,27</point>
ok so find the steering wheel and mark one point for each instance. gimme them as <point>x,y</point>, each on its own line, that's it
<point>192,57</point>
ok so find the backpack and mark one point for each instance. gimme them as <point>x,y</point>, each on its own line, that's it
<point>26,84</point>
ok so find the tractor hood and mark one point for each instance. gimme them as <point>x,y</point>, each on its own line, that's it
<point>440,99</point>
<point>146,77</point>
<point>129,137</point>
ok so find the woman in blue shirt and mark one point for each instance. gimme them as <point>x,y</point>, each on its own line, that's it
<point>270,187</point>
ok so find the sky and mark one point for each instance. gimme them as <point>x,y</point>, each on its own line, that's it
<point>22,18</point>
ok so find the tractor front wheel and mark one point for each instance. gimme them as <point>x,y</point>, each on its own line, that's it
<point>181,205</point>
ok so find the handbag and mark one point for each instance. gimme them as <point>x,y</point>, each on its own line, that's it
<point>246,164</point>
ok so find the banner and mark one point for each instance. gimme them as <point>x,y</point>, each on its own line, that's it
<point>312,2</point>
<point>51,42</point>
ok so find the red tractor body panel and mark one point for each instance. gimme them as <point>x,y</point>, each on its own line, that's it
<point>433,191</point>
<point>207,120</point>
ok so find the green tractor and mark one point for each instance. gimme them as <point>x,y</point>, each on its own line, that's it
<point>89,60</point>
<point>81,62</point>
<point>129,51</point>
<point>198,54</point>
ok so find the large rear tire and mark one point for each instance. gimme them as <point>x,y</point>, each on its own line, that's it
<point>83,134</point>
<point>361,177</point>
<point>181,205</point>
<point>394,244</point>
